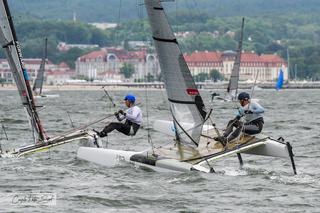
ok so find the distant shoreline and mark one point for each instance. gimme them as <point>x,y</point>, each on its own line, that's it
<point>160,86</point>
<point>78,87</point>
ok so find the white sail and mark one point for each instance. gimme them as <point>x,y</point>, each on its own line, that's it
<point>185,101</point>
<point>37,86</point>
<point>11,45</point>
<point>232,89</point>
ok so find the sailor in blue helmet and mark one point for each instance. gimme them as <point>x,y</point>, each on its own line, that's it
<point>253,120</point>
<point>132,116</point>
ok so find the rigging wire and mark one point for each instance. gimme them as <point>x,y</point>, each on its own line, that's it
<point>108,96</point>
<point>5,133</point>
<point>254,84</point>
<point>116,32</point>
<point>71,121</point>
<point>149,138</point>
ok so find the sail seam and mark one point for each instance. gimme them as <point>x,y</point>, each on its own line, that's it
<point>181,102</point>
<point>158,8</point>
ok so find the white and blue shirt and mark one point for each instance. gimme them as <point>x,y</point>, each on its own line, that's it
<point>255,109</point>
<point>133,114</point>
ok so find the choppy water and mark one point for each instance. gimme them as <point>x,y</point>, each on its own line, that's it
<point>263,185</point>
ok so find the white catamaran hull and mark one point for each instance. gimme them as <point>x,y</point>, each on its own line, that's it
<point>111,158</point>
<point>47,96</point>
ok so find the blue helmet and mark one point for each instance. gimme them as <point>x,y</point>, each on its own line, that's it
<point>130,98</point>
<point>243,96</point>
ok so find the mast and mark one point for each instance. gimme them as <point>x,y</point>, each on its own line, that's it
<point>37,86</point>
<point>186,104</point>
<point>11,45</point>
<point>232,89</point>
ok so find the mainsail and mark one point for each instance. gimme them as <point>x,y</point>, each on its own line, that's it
<point>232,89</point>
<point>280,80</point>
<point>186,104</point>
<point>37,86</point>
<point>11,45</point>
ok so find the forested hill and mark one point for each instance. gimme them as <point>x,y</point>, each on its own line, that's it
<point>112,10</point>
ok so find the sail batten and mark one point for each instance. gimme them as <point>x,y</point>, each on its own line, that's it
<point>186,104</point>
<point>12,48</point>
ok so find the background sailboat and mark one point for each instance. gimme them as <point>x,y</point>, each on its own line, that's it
<point>232,89</point>
<point>9,42</point>
<point>280,80</point>
<point>38,83</point>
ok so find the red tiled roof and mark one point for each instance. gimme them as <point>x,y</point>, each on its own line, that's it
<point>64,65</point>
<point>249,57</point>
<point>120,53</point>
<point>93,55</point>
<point>60,72</point>
<point>131,55</point>
<point>35,61</point>
<point>245,57</point>
<point>203,56</point>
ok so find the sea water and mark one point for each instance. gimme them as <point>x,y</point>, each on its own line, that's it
<point>264,184</point>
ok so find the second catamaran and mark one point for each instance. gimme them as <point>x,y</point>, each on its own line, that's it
<point>9,42</point>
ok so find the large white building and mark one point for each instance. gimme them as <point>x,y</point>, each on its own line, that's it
<point>266,66</point>
<point>105,64</point>
<point>54,73</point>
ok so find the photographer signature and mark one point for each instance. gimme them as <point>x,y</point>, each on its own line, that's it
<point>34,198</point>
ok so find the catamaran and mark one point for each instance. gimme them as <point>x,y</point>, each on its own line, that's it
<point>12,49</point>
<point>193,147</point>
<point>232,89</point>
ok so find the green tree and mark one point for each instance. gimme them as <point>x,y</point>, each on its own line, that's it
<point>150,77</point>
<point>70,56</point>
<point>215,75</point>
<point>127,70</point>
<point>201,77</point>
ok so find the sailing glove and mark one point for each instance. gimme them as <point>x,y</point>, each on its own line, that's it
<point>122,112</point>
<point>248,112</point>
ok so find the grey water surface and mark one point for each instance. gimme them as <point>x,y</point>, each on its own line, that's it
<point>263,185</point>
